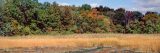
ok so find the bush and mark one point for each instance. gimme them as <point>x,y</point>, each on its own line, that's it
<point>6,29</point>
<point>149,27</point>
<point>134,27</point>
<point>26,31</point>
<point>158,27</point>
<point>34,29</point>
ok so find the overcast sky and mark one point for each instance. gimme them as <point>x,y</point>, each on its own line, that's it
<point>134,5</point>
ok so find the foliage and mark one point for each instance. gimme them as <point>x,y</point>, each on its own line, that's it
<point>6,29</point>
<point>25,17</point>
<point>151,22</point>
<point>134,27</point>
<point>86,7</point>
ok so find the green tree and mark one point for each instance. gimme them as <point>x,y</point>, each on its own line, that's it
<point>54,16</point>
<point>134,27</point>
<point>151,22</point>
<point>49,17</point>
<point>67,18</point>
<point>1,5</point>
<point>119,17</point>
<point>23,11</point>
<point>85,7</point>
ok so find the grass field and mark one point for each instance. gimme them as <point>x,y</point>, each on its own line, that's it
<point>143,42</point>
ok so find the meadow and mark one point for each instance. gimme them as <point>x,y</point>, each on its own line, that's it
<point>75,42</point>
<point>80,27</point>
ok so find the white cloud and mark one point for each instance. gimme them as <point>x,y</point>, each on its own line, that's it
<point>144,10</point>
<point>94,5</point>
<point>64,4</point>
<point>147,5</point>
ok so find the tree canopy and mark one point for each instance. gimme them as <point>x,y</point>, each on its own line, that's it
<point>25,17</point>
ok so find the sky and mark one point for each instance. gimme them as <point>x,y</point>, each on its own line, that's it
<point>132,5</point>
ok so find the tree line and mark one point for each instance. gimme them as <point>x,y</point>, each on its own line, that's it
<point>25,17</point>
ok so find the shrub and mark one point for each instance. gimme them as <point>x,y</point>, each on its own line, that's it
<point>134,27</point>
<point>6,29</point>
<point>158,27</point>
<point>26,30</point>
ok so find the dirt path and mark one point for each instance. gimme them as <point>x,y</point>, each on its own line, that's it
<point>52,50</point>
<point>87,50</point>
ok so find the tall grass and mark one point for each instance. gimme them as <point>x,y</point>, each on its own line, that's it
<point>142,42</point>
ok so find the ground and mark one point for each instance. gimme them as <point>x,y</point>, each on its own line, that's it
<point>81,43</point>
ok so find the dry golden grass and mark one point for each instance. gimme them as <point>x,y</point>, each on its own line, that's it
<point>143,42</point>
